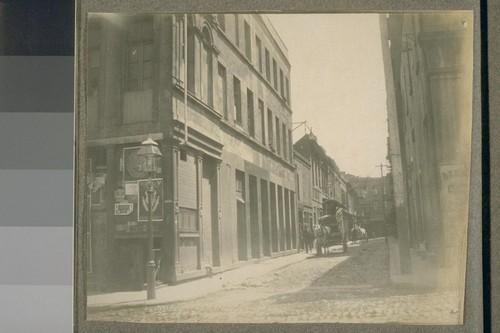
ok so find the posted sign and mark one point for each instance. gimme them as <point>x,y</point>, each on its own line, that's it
<point>156,200</point>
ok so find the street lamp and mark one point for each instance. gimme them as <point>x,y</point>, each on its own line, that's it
<point>150,159</point>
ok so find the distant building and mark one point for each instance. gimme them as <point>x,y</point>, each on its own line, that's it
<point>428,65</point>
<point>304,190</point>
<point>319,179</point>
<point>227,183</point>
<point>374,203</point>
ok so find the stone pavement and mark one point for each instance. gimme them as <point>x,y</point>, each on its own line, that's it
<point>362,286</point>
<point>192,289</point>
<point>426,273</point>
<point>348,288</point>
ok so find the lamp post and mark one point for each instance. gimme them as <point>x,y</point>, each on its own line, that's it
<point>151,156</point>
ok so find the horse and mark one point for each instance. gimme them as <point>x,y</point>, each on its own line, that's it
<point>320,239</point>
<point>358,233</point>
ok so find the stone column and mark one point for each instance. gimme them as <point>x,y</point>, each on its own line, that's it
<point>248,216</point>
<point>219,211</point>
<point>199,198</point>
<point>259,218</point>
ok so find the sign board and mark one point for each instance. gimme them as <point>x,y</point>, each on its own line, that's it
<point>131,165</point>
<point>124,208</point>
<point>131,188</point>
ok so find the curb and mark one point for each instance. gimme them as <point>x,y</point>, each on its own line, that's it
<point>143,303</point>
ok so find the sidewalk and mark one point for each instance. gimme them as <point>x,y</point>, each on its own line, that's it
<point>192,289</point>
<point>425,273</point>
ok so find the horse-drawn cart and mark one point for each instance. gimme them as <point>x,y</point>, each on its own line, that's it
<point>331,229</point>
<point>330,232</point>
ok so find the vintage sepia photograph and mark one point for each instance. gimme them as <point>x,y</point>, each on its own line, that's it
<point>277,167</point>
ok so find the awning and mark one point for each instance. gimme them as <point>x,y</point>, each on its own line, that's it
<point>333,202</point>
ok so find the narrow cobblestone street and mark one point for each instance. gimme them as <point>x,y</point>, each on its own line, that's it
<point>353,288</point>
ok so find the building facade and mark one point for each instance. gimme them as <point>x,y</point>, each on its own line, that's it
<point>214,92</point>
<point>319,180</point>
<point>374,204</point>
<point>428,65</point>
<point>304,190</point>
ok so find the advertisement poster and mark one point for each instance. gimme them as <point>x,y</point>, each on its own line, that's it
<point>156,200</point>
<point>131,162</point>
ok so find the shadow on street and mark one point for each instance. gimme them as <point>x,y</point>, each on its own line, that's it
<point>363,274</point>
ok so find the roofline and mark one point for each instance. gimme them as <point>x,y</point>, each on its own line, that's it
<point>275,38</point>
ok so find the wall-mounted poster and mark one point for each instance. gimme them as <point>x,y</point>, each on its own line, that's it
<point>156,200</point>
<point>131,165</point>
<point>124,208</point>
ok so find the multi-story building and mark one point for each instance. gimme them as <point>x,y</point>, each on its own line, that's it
<point>319,179</point>
<point>304,190</point>
<point>428,69</point>
<point>374,203</point>
<point>214,92</point>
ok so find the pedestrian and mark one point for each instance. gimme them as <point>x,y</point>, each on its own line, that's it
<point>318,239</point>
<point>306,238</point>
<point>301,237</point>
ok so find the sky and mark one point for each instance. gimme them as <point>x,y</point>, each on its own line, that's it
<point>338,85</point>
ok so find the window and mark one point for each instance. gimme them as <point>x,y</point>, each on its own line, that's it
<point>236,29</point>
<point>183,155</point>
<point>94,61</point>
<point>290,145</point>
<point>278,136</point>
<point>222,89</point>
<point>298,187</point>
<point>284,133</point>
<point>263,121</point>
<point>139,73</point>
<point>268,66</point>
<point>250,113</point>
<point>221,18</point>
<point>240,179</point>
<point>275,74</point>
<point>237,100</point>
<point>287,92</point>
<point>282,86</point>
<point>190,60</point>
<point>258,45</point>
<point>188,221</point>
<point>179,61</point>
<point>248,41</point>
<point>270,128</point>
<point>206,68</point>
